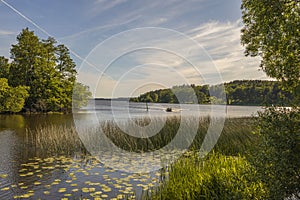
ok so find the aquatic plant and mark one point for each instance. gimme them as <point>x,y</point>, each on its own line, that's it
<point>54,140</point>
<point>214,177</point>
<point>235,138</point>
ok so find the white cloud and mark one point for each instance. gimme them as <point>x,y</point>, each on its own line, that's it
<point>168,56</point>
<point>6,39</point>
<point>97,29</point>
<point>222,41</point>
<point>6,32</point>
<point>103,5</point>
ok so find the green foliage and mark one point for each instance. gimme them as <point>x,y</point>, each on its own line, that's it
<point>246,92</point>
<point>81,95</point>
<point>236,137</point>
<point>278,158</point>
<point>272,32</point>
<point>215,177</point>
<point>45,68</point>
<point>4,67</point>
<point>256,92</point>
<point>39,65</point>
<point>12,99</point>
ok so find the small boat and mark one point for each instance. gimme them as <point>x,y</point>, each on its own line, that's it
<point>169,109</point>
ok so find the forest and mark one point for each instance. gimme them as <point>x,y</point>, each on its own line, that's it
<point>39,77</point>
<point>238,92</point>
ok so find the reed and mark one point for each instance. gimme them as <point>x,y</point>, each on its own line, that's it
<point>54,140</point>
<point>235,138</point>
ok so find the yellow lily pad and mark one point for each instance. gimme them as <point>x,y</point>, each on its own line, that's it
<point>46,192</point>
<point>3,175</point>
<point>37,183</point>
<point>61,190</point>
<point>5,189</point>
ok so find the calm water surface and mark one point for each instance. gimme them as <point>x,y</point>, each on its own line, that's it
<point>27,173</point>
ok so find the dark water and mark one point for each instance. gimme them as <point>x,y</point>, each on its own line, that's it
<point>27,173</point>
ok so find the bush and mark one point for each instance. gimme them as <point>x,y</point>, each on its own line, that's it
<point>216,177</point>
<point>278,157</point>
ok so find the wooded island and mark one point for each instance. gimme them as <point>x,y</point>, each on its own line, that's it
<point>238,92</point>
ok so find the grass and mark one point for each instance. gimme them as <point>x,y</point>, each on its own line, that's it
<point>54,140</point>
<point>235,138</point>
<point>215,177</point>
<point>223,174</point>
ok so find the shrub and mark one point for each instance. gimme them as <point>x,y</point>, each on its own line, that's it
<point>278,157</point>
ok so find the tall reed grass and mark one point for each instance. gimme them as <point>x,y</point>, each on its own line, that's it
<point>54,140</point>
<point>235,138</point>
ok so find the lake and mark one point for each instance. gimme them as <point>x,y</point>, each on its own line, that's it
<point>120,109</point>
<point>28,172</point>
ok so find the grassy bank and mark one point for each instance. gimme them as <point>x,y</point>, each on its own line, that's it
<point>215,177</point>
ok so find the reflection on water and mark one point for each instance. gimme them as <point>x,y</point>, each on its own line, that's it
<point>58,177</point>
<point>30,167</point>
<point>28,170</point>
<point>122,109</point>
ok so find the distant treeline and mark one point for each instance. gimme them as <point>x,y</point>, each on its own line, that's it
<point>238,92</point>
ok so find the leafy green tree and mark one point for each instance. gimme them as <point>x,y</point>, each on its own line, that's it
<point>67,73</point>
<point>272,32</point>
<point>4,67</point>
<point>81,95</point>
<point>11,99</point>
<point>46,68</point>
<point>278,160</point>
<point>246,92</point>
<point>28,67</point>
<point>26,56</point>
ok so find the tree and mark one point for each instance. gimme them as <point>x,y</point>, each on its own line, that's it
<point>67,72</point>
<point>26,56</point>
<point>4,67</point>
<point>28,68</point>
<point>46,68</point>
<point>81,95</point>
<point>11,99</point>
<point>272,31</point>
<point>278,160</point>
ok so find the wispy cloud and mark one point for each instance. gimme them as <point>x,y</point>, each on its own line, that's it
<point>176,59</point>
<point>100,6</point>
<point>7,38</point>
<point>96,29</point>
<point>222,42</point>
<point>167,57</point>
<point>7,33</point>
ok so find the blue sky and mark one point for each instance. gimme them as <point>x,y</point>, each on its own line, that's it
<point>109,40</point>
